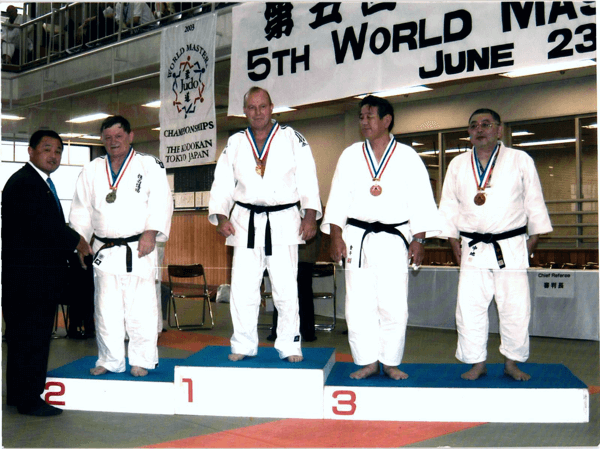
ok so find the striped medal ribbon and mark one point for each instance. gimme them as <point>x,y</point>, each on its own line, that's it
<point>482,177</point>
<point>260,156</point>
<point>376,170</point>
<point>113,182</point>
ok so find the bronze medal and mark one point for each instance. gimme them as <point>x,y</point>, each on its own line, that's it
<point>112,196</point>
<point>376,190</point>
<point>260,170</point>
<point>479,199</point>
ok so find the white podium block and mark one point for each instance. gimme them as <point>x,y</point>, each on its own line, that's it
<point>263,386</point>
<point>71,387</point>
<point>437,393</point>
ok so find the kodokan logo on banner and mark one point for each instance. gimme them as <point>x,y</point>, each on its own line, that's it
<point>188,133</point>
<point>307,53</point>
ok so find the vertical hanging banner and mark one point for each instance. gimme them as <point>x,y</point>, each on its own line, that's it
<point>188,127</point>
<point>306,53</point>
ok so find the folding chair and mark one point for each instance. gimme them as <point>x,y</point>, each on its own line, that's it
<point>187,290</point>
<point>326,269</point>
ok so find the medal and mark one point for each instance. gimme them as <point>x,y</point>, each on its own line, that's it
<point>260,156</point>
<point>479,199</point>
<point>112,196</point>
<point>113,181</point>
<point>482,177</point>
<point>376,188</point>
<point>376,173</point>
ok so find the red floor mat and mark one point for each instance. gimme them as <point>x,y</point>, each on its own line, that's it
<point>323,433</point>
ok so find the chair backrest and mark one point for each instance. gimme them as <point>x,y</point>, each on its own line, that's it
<point>186,271</point>
<point>323,269</point>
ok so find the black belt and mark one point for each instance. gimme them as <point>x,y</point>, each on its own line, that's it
<point>494,239</point>
<point>109,243</point>
<point>376,227</point>
<point>254,209</point>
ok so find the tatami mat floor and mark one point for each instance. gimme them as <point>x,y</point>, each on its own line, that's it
<point>74,429</point>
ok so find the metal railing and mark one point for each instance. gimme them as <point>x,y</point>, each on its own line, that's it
<point>78,27</point>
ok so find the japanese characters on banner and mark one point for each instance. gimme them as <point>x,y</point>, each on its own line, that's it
<point>312,52</point>
<point>188,132</point>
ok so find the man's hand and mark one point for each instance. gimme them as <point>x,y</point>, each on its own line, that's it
<point>337,249</point>
<point>532,243</point>
<point>416,251</point>
<point>308,225</point>
<point>455,244</point>
<point>83,249</point>
<point>147,243</point>
<point>225,228</point>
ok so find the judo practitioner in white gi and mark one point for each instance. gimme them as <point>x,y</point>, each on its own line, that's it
<point>379,212</point>
<point>124,201</point>
<point>492,200</point>
<point>265,201</point>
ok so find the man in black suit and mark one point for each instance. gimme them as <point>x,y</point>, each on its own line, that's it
<point>35,245</point>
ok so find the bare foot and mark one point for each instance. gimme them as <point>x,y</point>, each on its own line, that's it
<point>138,371</point>
<point>295,358</point>
<point>394,372</point>
<point>236,357</point>
<point>366,371</point>
<point>476,371</point>
<point>98,371</point>
<point>511,369</point>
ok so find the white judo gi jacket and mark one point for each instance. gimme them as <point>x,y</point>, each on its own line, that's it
<point>290,177</point>
<point>514,199</point>
<point>144,202</point>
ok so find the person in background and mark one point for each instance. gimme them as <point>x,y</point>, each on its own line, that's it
<point>307,256</point>
<point>11,37</point>
<point>492,201</point>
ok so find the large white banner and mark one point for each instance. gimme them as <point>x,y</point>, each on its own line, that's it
<point>307,53</point>
<point>188,126</point>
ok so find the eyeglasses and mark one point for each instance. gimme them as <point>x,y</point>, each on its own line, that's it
<point>484,126</point>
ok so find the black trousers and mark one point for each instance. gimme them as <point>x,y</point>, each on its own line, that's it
<point>28,333</point>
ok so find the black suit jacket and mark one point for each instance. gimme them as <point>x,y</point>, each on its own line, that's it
<point>36,241</point>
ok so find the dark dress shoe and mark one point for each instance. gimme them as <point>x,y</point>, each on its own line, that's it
<point>271,337</point>
<point>309,338</point>
<point>40,408</point>
<point>77,335</point>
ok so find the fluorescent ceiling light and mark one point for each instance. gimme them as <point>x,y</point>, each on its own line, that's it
<point>547,68</point>
<point>156,129</point>
<point>449,150</point>
<point>280,109</point>
<point>277,110</point>
<point>522,133</point>
<point>89,118</point>
<point>70,135</point>
<point>545,142</point>
<point>152,104</point>
<point>397,91</point>
<point>87,136</point>
<point>11,117</point>
<point>417,144</point>
<point>593,126</point>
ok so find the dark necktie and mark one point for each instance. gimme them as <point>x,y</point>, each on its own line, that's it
<point>51,185</point>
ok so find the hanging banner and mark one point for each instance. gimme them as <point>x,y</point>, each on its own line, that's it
<point>188,126</point>
<point>305,53</point>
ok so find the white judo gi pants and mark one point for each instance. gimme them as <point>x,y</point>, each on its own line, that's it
<point>476,288</point>
<point>248,266</point>
<point>376,297</point>
<point>125,303</point>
